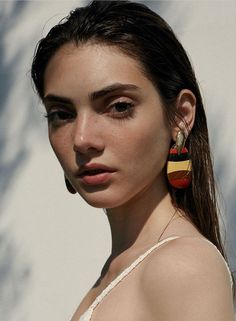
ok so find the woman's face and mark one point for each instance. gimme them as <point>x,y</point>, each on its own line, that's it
<point>106,124</point>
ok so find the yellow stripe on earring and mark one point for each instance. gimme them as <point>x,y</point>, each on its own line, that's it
<point>179,166</point>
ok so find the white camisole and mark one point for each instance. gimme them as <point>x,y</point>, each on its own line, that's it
<point>86,316</point>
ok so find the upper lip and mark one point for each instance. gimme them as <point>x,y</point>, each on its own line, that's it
<point>94,166</point>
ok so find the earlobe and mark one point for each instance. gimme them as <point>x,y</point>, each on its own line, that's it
<point>186,109</point>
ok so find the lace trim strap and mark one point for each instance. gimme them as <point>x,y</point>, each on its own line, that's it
<point>88,313</point>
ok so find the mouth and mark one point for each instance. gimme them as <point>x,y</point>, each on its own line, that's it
<point>95,174</point>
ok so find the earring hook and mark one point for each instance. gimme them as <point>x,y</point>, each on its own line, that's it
<point>180,141</point>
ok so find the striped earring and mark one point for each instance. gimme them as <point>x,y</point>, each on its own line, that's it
<point>69,187</point>
<point>179,165</point>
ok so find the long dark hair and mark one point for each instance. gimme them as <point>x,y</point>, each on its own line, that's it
<point>142,34</point>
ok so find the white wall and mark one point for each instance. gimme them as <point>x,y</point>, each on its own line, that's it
<point>52,244</point>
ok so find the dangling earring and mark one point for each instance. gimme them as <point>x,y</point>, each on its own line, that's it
<point>179,165</point>
<point>69,187</point>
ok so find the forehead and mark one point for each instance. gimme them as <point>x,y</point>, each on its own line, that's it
<point>76,70</point>
<point>93,50</point>
<point>90,57</point>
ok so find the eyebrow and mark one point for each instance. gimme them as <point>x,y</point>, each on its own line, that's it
<point>54,98</point>
<point>94,95</point>
<point>110,89</point>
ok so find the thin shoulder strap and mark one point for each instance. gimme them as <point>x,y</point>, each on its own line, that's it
<point>88,313</point>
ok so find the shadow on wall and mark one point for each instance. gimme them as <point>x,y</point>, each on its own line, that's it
<point>14,271</point>
<point>14,276</point>
<point>8,68</point>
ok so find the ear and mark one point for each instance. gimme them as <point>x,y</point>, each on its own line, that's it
<point>186,109</point>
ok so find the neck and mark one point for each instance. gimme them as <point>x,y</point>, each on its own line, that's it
<point>140,221</point>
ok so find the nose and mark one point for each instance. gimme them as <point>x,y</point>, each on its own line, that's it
<point>87,135</point>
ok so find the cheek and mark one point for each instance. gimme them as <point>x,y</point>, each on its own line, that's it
<point>61,147</point>
<point>146,146</point>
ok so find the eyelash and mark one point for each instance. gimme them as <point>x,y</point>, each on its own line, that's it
<point>59,117</point>
<point>126,114</point>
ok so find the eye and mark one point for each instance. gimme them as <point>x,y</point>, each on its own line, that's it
<point>121,109</point>
<point>59,117</point>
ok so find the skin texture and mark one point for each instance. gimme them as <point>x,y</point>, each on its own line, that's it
<point>136,146</point>
<point>125,129</point>
<point>196,287</point>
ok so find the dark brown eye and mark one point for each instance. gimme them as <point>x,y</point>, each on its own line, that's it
<point>121,106</point>
<point>121,109</point>
<point>59,116</point>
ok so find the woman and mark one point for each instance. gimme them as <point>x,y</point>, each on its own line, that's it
<point>127,123</point>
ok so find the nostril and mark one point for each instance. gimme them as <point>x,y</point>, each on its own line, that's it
<point>88,146</point>
<point>83,150</point>
<point>87,140</point>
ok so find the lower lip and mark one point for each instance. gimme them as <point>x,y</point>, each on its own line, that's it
<point>96,179</point>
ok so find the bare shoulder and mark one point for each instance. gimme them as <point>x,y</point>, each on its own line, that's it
<point>189,256</point>
<point>187,278</point>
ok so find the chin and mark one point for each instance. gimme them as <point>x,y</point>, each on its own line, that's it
<point>107,196</point>
<point>99,201</point>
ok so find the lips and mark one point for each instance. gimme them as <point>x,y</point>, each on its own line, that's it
<point>95,174</point>
<point>94,169</point>
<point>92,172</point>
